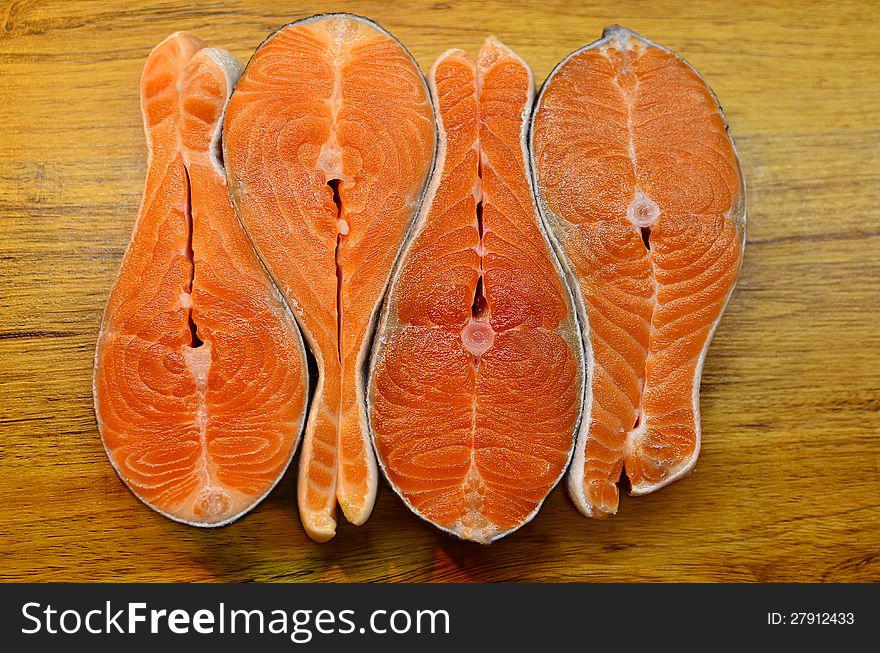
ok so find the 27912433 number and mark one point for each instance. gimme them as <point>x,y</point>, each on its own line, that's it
<point>810,618</point>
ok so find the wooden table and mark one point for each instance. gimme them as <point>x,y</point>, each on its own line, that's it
<point>786,488</point>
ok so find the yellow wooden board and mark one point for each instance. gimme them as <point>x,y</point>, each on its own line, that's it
<point>787,484</point>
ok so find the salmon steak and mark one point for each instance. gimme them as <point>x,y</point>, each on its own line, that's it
<point>329,142</point>
<point>200,381</point>
<point>638,181</point>
<point>477,374</point>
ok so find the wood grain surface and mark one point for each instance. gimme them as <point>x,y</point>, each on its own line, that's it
<point>786,488</point>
